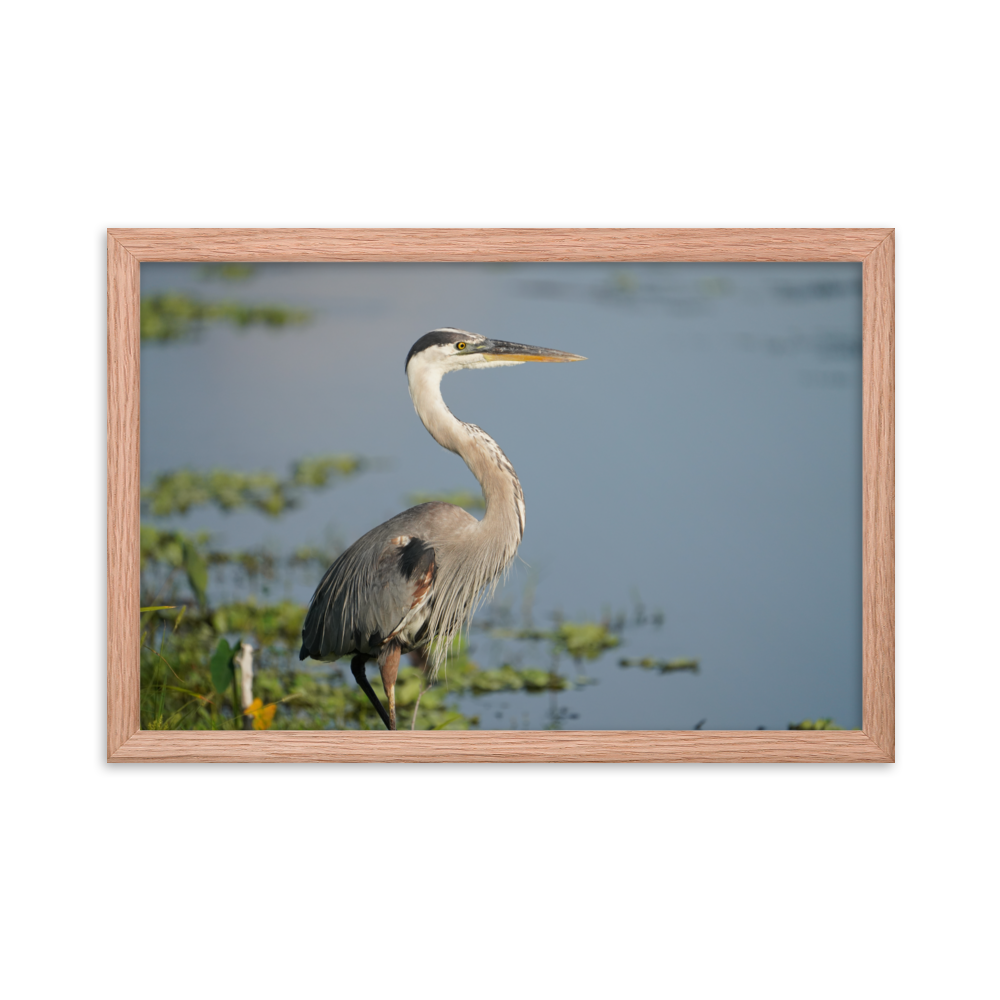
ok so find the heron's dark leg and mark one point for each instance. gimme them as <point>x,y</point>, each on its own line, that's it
<point>358,669</point>
<point>389,667</point>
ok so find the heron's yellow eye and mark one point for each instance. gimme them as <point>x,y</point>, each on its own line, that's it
<point>461,346</point>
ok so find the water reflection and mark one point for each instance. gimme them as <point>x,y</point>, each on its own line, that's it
<point>825,345</point>
<point>680,294</point>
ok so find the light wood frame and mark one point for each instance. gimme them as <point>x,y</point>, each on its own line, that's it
<point>874,248</point>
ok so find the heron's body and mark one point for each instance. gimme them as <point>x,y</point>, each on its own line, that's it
<point>420,575</point>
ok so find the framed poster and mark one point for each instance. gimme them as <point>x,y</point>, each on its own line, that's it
<point>126,248</point>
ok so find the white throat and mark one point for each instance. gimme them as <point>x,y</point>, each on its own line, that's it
<point>484,457</point>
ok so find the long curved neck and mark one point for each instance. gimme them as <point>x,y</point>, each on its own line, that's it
<point>484,457</point>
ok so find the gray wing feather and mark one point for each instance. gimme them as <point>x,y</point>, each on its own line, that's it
<point>368,592</point>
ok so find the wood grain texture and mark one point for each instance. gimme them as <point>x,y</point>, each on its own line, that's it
<point>498,747</point>
<point>499,244</point>
<point>879,495</point>
<point>123,495</point>
<point>127,247</point>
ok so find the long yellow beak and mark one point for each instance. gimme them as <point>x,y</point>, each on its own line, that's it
<point>502,350</point>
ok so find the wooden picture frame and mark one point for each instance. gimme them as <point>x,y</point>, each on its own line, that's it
<point>874,248</point>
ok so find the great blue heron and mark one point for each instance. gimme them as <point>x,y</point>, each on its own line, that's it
<point>421,575</point>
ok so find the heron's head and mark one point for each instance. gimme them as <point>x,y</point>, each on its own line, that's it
<point>448,350</point>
